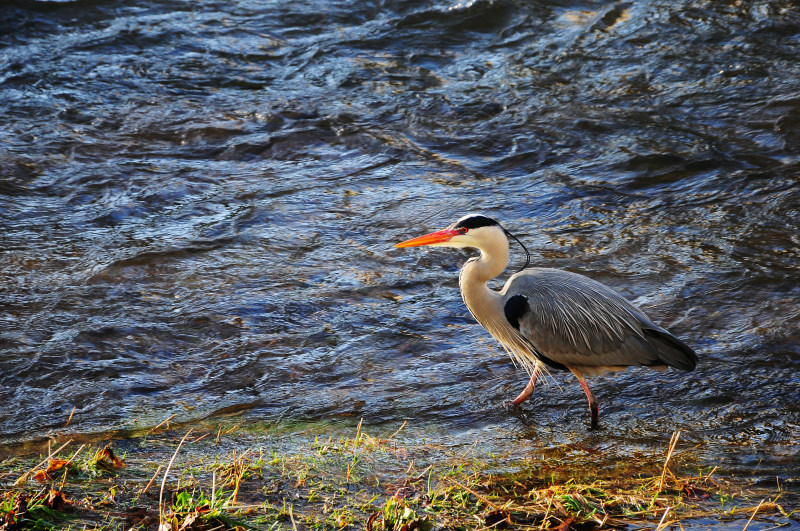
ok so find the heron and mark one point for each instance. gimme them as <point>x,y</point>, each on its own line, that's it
<point>551,318</point>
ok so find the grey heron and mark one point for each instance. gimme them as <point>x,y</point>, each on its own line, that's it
<point>561,319</point>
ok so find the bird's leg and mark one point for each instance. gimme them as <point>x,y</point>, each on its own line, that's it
<point>592,400</point>
<point>523,396</point>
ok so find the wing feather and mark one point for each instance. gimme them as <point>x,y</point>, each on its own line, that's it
<point>574,320</point>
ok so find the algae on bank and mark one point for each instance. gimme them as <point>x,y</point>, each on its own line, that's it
<point>205,479</point>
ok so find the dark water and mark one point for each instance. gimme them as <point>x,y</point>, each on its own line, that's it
<point>198,202</point>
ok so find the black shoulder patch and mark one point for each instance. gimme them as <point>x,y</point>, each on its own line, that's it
<point>515,308</point>
<point>473,222</point>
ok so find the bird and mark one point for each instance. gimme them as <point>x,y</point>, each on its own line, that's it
<point>549,318</point>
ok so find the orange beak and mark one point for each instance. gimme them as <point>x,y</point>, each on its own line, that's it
<point>440,236</point>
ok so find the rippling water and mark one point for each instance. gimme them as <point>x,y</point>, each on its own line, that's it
<point>198,203</point>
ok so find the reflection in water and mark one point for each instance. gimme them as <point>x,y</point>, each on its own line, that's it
<point>199,202</point>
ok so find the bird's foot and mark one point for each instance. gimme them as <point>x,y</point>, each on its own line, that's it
<point>595,415</point>
<point>523,396</point>
<point>593,407</point>
<point>527,392</point>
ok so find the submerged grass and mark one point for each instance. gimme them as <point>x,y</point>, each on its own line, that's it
<point>211,480</point>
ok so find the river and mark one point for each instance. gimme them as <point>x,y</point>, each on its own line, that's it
<point>199,201</point>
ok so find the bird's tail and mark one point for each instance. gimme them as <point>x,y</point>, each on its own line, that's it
<point>672,350</point>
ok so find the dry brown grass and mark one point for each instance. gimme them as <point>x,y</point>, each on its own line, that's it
<point>220,480</point>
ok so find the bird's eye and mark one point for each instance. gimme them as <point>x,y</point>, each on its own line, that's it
<point>463,230</point>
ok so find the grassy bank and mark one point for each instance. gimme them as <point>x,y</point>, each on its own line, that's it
<point>230,478</point>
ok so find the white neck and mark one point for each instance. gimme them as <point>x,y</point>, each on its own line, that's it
<point>486,305</point>
<point>482,301</point>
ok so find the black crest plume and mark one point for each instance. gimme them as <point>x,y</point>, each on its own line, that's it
<point>527,254</point>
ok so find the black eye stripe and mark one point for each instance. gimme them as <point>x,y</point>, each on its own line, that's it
<point>474,222</point>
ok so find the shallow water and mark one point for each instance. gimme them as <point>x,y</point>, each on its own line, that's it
<point>198,204</point>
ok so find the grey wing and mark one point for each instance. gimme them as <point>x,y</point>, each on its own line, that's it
<point>573,320</point>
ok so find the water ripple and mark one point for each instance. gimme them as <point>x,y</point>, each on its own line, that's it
<point>198,204</point>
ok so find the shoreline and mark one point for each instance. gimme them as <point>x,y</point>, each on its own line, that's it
<point>226,476</point>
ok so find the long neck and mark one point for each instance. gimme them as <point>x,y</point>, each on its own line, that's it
<point>484,303</point>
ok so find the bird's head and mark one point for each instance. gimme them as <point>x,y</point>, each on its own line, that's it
<point>473,230</point>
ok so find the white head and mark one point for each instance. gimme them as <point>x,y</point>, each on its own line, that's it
<point>478,232</point>
<point>473,230</point>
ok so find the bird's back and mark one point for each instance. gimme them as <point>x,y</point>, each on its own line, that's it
<point>572,320</point>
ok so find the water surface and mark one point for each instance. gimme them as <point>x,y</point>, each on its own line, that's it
<point>198,203</point>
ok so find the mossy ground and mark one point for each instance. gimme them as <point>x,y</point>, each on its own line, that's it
<point>204,479</point>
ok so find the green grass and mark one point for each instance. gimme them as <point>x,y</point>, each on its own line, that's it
<point>244,480</point>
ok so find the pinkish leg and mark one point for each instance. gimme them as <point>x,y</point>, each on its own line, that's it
<point>592,400</point>
<point>523,396</point>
